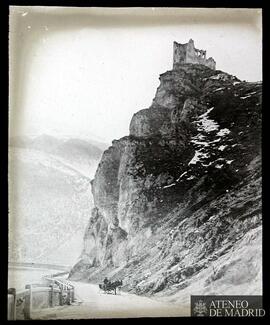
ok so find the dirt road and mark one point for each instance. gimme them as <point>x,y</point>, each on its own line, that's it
<point>93,303</point>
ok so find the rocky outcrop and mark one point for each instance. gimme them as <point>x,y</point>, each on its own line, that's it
<point>179,193</point>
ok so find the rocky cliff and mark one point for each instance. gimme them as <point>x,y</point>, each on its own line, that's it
<point>178,201</point>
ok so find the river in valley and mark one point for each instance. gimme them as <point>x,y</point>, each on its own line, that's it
<point>19,276</point>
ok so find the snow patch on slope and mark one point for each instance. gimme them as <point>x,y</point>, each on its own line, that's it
<point>205,123</point>
<point>197,157</point>
<point>202,142</point>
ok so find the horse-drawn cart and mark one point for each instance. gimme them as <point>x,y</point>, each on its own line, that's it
<point>111,287</point>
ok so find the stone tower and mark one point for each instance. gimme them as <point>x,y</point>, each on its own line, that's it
<point>187,53</point>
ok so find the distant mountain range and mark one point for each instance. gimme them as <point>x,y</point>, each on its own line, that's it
<point>50,142</point>
<point>49,196</point>
<point>78,152</point>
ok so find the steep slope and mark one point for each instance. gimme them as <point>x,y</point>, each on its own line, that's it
<point>50,198</point>
<point>178,201</point>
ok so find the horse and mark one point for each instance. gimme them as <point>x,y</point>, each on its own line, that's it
<point>111,286</point>
<point>118,284</point>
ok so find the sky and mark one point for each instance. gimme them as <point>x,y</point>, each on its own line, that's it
<point>84,72</point>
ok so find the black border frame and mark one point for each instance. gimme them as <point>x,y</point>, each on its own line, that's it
<point>4,20</point>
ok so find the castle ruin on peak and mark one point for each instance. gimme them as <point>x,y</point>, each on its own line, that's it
<point>187,53</point>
